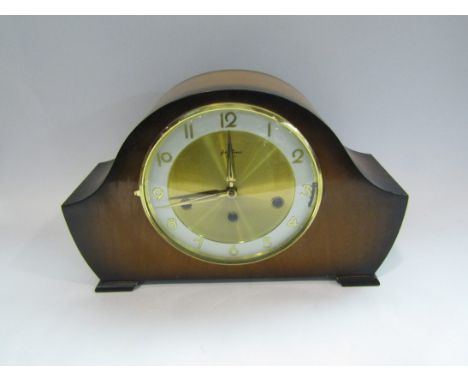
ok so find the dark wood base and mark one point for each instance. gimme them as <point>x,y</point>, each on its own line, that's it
<point>358,280</point>
<point>129,286</point>
<point>116,286</point>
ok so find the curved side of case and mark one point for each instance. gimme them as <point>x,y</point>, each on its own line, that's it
<point>375,173</point>
<point>90,184</point>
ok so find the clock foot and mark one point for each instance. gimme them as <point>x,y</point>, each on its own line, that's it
<point>116,286</point>
<point>358,280</point>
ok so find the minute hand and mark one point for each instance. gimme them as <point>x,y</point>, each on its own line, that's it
<point>196,197</point>
<point>231,177</point>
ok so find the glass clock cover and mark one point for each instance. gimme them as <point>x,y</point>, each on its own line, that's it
<point>231,183</point>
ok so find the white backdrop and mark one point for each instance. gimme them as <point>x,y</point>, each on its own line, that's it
<point>72,89</point>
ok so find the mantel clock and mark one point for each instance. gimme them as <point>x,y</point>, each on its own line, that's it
<point>234,177</point>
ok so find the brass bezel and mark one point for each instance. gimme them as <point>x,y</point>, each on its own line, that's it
<point>250,259</point>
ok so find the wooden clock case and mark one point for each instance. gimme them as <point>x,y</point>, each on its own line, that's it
<point>359,218</point>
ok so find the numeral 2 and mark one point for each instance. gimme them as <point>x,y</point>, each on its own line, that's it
<point>297,155</point>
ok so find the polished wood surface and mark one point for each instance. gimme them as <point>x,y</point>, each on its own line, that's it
<point>359,218</point>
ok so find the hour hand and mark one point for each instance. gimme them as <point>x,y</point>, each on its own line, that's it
<point>197,197</point>
<point>230,177</point>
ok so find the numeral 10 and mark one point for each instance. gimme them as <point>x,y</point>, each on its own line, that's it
<point>164,157</point>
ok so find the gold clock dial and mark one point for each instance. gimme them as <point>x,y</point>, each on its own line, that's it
<point>264,186</point>
<point>231,183</point>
